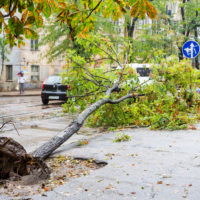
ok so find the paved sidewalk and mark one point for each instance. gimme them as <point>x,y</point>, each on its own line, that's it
<point>32,92</point>
<point>157,165</point>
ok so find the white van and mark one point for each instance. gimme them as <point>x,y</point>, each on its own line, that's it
<point>143,71</point>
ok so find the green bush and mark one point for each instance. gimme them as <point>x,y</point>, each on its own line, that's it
<point>170,102</point>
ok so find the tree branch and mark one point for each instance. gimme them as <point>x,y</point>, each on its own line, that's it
<point>9,122</point>
<point>94,9</point>
<point>93,81</point>
<point>121,99</point>
<point>111,57</point>
<point>124,98</point>
<point>10,10</point>
<point>87,94</point>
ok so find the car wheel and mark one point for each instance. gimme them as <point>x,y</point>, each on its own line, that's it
<point>45,101</point>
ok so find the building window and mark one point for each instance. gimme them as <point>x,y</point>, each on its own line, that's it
<point>9,72</point>
<point>34,77</point>
<point>34,44</point>
<point>34,68</point>
<point>35,72</point>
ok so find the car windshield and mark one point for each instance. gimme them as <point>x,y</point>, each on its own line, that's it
<point>53,80</point>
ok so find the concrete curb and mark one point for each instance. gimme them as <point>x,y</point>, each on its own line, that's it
<point>17,95</point>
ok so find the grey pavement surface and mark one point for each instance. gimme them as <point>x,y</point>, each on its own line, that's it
<point>136,168</point>
<point>28,92</point>
<point>35,122</point>
<point>160,165</point>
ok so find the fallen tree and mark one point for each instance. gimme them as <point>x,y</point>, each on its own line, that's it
<point>101,85</point>
<point>46,149</point>
<point>91,85</point>
<point>170,100</point>
<point>170,96</point>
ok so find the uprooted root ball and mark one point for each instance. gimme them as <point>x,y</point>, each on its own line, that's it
<point>15,160</point>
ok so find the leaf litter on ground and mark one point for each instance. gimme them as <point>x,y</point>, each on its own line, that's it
<point>63,169</point>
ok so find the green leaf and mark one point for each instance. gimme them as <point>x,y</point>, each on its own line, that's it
<point>30,20</point>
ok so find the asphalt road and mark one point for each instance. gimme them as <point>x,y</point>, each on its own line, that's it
<point>158,165</point>
<point>36,123</point>
<point>13,108</point>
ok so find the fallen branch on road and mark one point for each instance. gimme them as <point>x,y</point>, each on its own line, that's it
<point>9,122</point>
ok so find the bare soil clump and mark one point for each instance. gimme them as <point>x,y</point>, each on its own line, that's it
<point>63,168</point>
<point>15,162</point>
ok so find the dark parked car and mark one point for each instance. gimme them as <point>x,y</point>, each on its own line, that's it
<point>53,89</point>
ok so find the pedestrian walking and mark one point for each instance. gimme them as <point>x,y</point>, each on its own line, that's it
<point>21,81</point>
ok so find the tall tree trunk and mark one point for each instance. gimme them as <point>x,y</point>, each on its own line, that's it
<point>183,17</point>
<point>180,53</point>
<point>2,59</point>
<point>130,29</point>
<point>196,38</point>
<point>2,67</point>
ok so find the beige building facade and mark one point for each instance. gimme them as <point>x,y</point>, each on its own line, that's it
<point>30,59</point>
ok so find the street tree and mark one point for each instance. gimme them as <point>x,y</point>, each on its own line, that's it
<point>18,17</point>
<point>78,17</point>
<point>103,79</point>
<point>170,30</point>
<point>4,51</point>
<point>105,19</point>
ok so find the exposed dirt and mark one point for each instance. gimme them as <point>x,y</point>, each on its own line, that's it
<point>14,161</point>
<point>62,170</point>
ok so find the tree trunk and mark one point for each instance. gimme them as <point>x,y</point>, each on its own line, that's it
<point>180,53</point>
<point>130,30</point>
<point>46,149</point>
<point>131,27</point>
<point>2,67</point>
<point>196,38</point>
<point>2,75</point>
<point>183,16</point>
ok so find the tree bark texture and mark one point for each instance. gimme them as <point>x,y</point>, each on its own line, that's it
<point>49,147</point>
<point>131,27</point>
<point>196,38</point>
<point>46,149</point>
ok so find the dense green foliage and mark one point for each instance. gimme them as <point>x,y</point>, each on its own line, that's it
<point>104,17</point>
<point>170,101</point>
<point>92,75</point>
<point>18,18</point>
<point>176,22</point>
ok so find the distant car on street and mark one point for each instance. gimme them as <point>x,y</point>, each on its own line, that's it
<point>53,89</point>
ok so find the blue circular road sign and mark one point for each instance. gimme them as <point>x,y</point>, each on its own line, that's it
<point>190,49</point>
